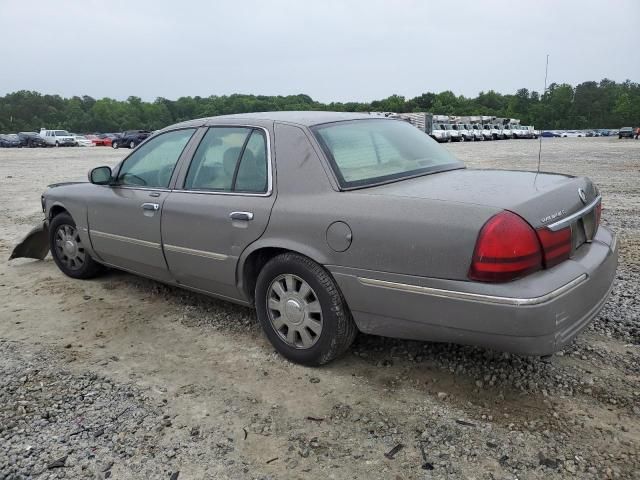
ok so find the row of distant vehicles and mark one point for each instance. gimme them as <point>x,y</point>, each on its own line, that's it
<point>470,132</point>
<point>602,132</point>
<point>62,138</point>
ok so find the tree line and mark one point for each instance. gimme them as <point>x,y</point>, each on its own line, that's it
<point>604,104</point>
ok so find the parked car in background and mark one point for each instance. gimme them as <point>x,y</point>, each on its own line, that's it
<point>108,138</point>
<point>625,132</point>
<point>130,138</point>
<point>57,138</point>
<point>550,134</point>
<point>95,139</point>
<point>10,140</point>
<point>371,226</point>
<point>31,139</point>
<point>571,134</point>
<point>82,141</point>
<point>496,132</point>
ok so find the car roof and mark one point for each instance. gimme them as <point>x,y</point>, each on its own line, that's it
<point>305,118</point>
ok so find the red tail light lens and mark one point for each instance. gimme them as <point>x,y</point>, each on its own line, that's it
<point>507,248</point>
<point>556,246</point>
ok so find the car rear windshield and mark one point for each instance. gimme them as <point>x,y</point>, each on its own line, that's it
<point>369,152</point>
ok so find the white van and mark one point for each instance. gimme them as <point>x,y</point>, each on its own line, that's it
<point>57,138</point>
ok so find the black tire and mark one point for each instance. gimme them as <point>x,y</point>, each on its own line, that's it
<point>338,328</point>
<point>132,145</point>
<point>57,144</point>
<point>89,267</point>
<point>114,144</point>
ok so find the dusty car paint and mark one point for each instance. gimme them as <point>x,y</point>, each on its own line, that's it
<point>409,243</point>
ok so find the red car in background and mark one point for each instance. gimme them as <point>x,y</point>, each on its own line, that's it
<point>96,140</point>
<point>107,138</point>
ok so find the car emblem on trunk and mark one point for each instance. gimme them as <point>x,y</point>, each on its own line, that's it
<point>582,195</point>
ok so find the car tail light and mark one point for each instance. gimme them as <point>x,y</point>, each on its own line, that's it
<point>507,248</point>
<point>556,246</point>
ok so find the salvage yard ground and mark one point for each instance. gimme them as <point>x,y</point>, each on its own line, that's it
<point>123,377</point>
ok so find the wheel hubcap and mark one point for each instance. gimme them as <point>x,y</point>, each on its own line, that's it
<point>294,311</point>
<point>69,248</point>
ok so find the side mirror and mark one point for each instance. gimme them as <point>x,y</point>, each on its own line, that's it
<point>100,175</point>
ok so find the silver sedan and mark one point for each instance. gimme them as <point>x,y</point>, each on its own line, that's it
<point>334,223</point>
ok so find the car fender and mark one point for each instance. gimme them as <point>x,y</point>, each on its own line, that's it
<point>76,206</point>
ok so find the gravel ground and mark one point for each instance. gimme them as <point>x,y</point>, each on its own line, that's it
<point>123,377</point>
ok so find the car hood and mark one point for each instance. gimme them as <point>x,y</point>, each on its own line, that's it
<point>535,197</point>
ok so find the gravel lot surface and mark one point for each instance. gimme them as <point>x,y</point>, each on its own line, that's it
<point>122,377</point>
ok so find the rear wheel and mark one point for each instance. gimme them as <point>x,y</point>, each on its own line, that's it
<point>301,310</point>
<point>114,144</point>
<point>132,144</point>
<point>68,250</point>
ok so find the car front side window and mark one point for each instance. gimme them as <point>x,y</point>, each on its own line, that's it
<point>152,164</point>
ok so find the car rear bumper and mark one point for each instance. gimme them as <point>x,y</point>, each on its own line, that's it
<point>536,315</point>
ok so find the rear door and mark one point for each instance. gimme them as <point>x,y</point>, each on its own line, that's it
<point>220,205</point>
<point>124,218</point>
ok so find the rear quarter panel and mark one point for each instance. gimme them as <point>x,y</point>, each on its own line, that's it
<point>404,235</point>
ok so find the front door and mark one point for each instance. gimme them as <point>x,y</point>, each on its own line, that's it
<point>124,218</point>
<point>223,206</point>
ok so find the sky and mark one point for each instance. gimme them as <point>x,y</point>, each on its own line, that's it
<point>347,50</point>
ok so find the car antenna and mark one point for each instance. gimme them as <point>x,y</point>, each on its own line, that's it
<point>546,72</point>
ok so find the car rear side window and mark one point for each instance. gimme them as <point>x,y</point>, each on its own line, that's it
<point>152,164</point>
<point>229,159</point>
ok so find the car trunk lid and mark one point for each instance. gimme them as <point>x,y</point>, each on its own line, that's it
<point>542,199</point>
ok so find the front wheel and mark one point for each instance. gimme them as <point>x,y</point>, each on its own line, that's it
<point>114,144</point>
<point>302,311</point>
<point>68,251</point>
<point>132,145</point>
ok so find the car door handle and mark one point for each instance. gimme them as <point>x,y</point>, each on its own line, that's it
<point>241,216</point>
<point>151,206</point>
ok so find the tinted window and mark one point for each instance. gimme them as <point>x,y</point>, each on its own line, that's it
<point>229,159</point>
<point>153,163</point>
<point>366,152</point>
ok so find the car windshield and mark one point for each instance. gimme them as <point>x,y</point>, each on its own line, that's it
<point>60,133</point>
<point>368,152</point>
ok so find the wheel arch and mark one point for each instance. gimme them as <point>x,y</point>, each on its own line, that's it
<point>257,255</point>
<point>56,209</point>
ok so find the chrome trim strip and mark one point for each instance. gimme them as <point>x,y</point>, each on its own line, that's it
<point>197,253</point>
<point>614,242</point>
<point>135,241</point>
<point>567,220</point>
<point>473,297</point>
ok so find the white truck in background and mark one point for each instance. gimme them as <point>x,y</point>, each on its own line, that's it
<point>427,123</point>
<point>58,138</point>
